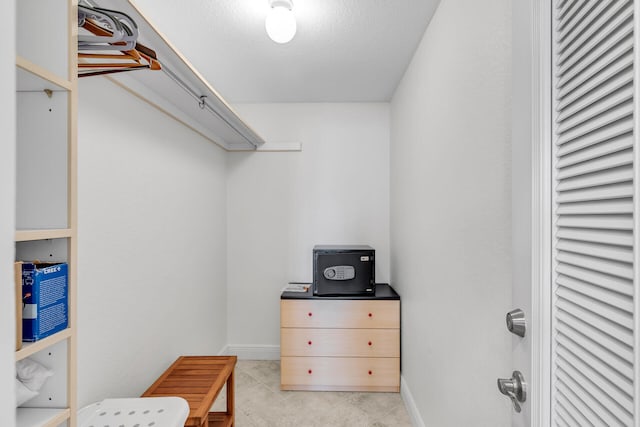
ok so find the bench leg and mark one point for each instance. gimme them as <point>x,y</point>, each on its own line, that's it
<point>230,398</point>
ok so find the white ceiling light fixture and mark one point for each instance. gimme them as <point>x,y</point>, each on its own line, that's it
<point>280,22</point>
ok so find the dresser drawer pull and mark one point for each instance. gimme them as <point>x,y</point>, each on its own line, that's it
<point>370,314</point>
<point>370,372</point>
<point>370,343</point>
<point>309,342</point>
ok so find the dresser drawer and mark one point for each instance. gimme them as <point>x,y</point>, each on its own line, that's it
<point>340,342</point>
<point>337,373</point>
<point>352,314</point>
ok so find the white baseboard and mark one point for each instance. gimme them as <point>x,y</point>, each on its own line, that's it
<point>410,404</point>
<point>252,352</point>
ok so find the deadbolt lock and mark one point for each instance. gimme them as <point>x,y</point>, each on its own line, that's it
<point>516,323</point>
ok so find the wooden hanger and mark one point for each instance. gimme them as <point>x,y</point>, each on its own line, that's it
<point>149,55</point>
<point>108,71</point>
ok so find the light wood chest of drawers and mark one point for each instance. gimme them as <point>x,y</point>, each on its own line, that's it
<point>340,344</point>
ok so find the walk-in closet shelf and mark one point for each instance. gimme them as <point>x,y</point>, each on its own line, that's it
<point>177,88</point>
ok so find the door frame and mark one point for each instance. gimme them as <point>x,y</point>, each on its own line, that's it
<point>541,220</point>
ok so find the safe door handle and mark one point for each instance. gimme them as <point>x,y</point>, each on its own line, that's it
<point>515,388</point>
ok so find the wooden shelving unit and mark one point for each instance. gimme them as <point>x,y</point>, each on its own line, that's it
<point>33,77</point>
<point>31,348</point>
<point>31,235</point>
<point>46,206</point>
<point>45,417</point>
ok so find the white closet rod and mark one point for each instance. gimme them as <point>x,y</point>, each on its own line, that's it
<point>202,101</point>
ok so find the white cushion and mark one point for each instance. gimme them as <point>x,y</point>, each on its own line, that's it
<point>32,374</point>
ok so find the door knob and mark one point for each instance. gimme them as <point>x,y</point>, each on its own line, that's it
<point>515,388</point>
<point>516,323</point>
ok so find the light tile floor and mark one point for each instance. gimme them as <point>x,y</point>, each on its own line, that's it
<point>261,403</point>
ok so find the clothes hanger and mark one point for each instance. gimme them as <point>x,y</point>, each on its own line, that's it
<point>111,65</point>
<point>121,59</point>
<point>128,54</point>
<point>128,25</point>
<point>93,16</point>
<point>112,31</point>
<point>140,53</point>
<point>108,71</point>
<point>98,30</point>
<point>149,55</point>
<point>127,21</point>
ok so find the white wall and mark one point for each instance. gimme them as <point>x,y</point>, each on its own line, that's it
<point>336,191</point>
<point>152,243</point>
<point>7,215</point>
<point>450,214</point>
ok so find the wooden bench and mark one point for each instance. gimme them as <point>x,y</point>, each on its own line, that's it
<point>199,379</point>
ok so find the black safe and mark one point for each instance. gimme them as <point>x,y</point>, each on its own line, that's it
<point>344,270</point>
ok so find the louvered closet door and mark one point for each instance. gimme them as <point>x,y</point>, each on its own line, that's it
<point>593,351</point>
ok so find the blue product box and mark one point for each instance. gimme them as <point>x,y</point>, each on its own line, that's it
<point>45,306</point>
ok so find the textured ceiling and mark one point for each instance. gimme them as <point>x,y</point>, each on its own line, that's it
<point>343,51</point>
